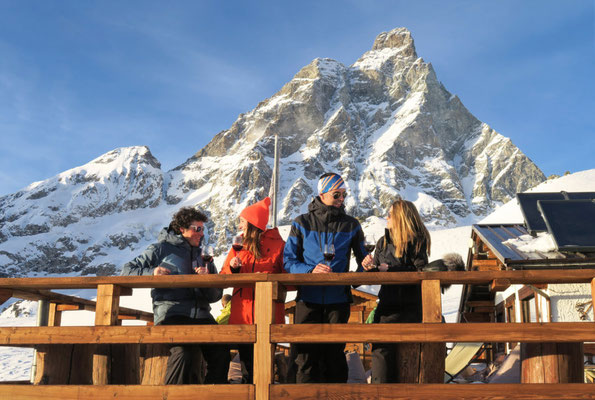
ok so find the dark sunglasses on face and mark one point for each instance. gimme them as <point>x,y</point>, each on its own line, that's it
<point>195,228</point>
<point>336,195</point>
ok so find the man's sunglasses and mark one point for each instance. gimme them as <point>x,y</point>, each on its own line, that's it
<point>195,228</point>
<point>336,195</point>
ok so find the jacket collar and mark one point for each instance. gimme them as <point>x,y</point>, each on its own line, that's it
<point>324,212</point>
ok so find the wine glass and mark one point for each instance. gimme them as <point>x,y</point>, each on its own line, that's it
<point>238,242</point>
<point>329,253</point>
<point>369,244</point>
<point>207,254</point>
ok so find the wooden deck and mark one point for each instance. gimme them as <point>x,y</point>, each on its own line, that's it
<point>264,335</point>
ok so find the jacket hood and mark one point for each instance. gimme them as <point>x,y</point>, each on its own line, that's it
<point>169,236</point>
<point>323,211</point>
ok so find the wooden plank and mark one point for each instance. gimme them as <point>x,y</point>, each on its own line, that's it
<point>492,262</point>
<point>486,303</point>
<point>54,315</point>
<point>264,350</point>
<point>431,301</point>
<point>432,355</point>
<point>478,332</point>
<point>5,294</point>
<point>16,336</point>
<point>106,392</point>
<point>69,307</point>
<point>433,391</point>
<point>499,285</point>
<point>67,302</point>
<point>355,278</point>
<point>106,314</point>
<point>593,296</point>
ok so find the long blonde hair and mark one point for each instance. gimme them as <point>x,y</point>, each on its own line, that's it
<point>252,239</point>
<point>405,226</point>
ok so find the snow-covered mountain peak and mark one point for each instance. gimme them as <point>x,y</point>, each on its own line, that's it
<point>386,124</point>
<point>398,38</point>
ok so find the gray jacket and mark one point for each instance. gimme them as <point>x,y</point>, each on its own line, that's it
<point>173,252</point>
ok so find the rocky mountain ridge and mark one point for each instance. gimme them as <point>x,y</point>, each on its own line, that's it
<point>385,123</point>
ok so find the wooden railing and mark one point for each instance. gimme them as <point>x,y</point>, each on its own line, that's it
<point>265,335</point>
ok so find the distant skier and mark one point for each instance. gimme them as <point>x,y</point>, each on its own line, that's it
<point>321,241</point>
<point>178,252</point>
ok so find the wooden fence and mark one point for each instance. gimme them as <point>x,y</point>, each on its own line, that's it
<point>265,335</point>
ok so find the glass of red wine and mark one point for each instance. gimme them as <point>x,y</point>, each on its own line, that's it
<point>329,253</point>
<point>238,242</point>
<point>207,254</point>
<point>369,245</point>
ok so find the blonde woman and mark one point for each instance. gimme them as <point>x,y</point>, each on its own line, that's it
<point>404,247</point>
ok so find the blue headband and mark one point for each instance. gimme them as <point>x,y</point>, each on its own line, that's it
<point>330,182</point>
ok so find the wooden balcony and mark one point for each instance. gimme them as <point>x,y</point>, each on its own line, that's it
<point>264,335</point>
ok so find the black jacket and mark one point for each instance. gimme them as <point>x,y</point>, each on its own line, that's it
<point>400,297</point>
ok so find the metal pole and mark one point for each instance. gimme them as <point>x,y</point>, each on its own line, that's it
<point>275,180</point>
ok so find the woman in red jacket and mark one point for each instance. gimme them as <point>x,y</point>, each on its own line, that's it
<point>262,252</point>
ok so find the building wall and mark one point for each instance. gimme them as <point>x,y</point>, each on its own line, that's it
<point>566,302</point>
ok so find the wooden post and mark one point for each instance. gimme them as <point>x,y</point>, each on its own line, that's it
<point>593,297</point>
<point>106,314</point>
<point>264,350</point>
<point>55,315</point>
<point>431,366</point>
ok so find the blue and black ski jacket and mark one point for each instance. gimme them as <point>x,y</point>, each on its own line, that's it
<point>304,249</point>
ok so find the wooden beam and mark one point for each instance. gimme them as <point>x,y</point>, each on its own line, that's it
<point>70,307</point>
<point>593,297</point>
<point>499,285</point>
<point>106,314</point>
<point>479,303</point>
<point>486,262</point>
<point>5,294</point>
<point>432,355</point>
<point>355,278</point>
<point>17,336</point>
<point>170,392</point>
<point>54,315</point>
<point>433,391</point>
<point>478,332</point>
<point>67,302</point>
<point>264,350</point>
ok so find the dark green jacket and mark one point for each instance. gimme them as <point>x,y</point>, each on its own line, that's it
<point>173,252</point>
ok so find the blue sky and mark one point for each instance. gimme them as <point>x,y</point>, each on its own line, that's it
<point>80,78</point>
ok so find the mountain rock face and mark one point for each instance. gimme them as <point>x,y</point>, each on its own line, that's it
<point>385,123</point>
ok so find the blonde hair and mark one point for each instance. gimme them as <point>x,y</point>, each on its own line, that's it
<point>252,239</point>
<point>405,226</point>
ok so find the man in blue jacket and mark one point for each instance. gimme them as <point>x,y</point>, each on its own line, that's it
<point>178,252</point>
<point>325,223</point>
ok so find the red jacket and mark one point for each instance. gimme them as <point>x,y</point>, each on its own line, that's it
<point>271,262</point>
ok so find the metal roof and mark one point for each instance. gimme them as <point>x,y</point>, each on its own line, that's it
<point>495,236</point>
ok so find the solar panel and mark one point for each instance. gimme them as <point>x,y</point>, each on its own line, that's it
<point>528,202</point>
<point>570,222</point>
<point>580,195</point>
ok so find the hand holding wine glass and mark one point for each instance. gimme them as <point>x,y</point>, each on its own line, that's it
<point>369,246</point>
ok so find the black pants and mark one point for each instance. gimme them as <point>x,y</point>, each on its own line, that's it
<point>179,365</point>
<point>246,352</point>
<point>384,355</point>
<point>321,362</point>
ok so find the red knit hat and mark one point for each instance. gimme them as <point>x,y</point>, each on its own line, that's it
<point>258,213</point>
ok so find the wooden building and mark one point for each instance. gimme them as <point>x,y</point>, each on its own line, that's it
<point>498,247</point>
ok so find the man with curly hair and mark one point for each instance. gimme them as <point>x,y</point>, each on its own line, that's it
<point>178,252</point>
